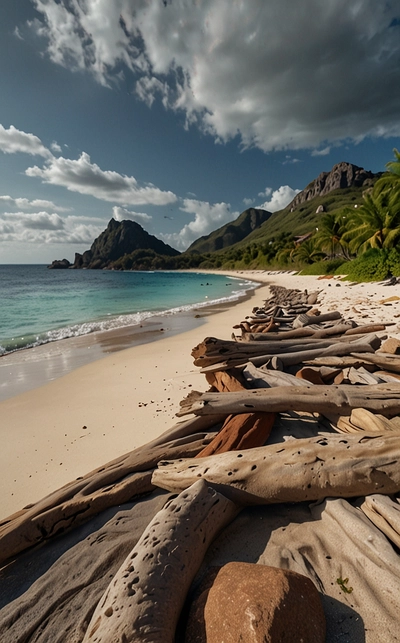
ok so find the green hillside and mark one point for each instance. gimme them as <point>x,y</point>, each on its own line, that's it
<point>230,233</point>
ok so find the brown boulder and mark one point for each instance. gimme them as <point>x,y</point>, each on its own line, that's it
<point>256,604</point>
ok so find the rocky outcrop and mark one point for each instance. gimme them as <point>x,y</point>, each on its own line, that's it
<point>256,604</point>
<point>120,238</point>
<point>60,264</point>
<point>343,175</point>
<point>231,233</point>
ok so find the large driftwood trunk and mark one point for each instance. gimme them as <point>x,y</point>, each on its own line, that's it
<point>295,471</point>
<point>143,602</point>
<point>380,398</point>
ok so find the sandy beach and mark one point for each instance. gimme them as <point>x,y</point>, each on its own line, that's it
<point>59,431</point>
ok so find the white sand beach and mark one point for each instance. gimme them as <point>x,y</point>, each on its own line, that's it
<point>59,431</point>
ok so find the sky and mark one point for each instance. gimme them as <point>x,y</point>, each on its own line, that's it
<point>180,114</point>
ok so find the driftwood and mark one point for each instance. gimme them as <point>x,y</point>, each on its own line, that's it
<point>383,360</point>
<point>225,381</point>
<point>290,358</point>
<point>306,320</point>
<point>264,378</point>
<point>385,514</point>
<point>346,361</point>
<point>295,471</point>
<point>145,597</point>
<point>244,431</point>
<point>380,398</point>
<point>114,483</point>
<point>370,328</point>
<point>363,420</point>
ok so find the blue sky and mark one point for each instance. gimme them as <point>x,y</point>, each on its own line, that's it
<point>179,114</point>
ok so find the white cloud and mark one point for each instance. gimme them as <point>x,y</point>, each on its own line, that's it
<point>208,217</point>
<point>56,147</point>
<point>18,34</point>
<point>13,140</point>
<point>26,204</point>
<point>86,177</point>
<point>247,202</point>
<point>122,214</point>
<point>243,68</point>
<point>280,198</point>
<point>324,152</point>
<point>267,192</point>
<point>48,228</point>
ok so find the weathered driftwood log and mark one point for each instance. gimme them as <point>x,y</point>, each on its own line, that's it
<point>225,381</point>
<point>291,358</point>
<point>380,398</point>
<point>370,328</point>
<point>112,484</point>
<point>242,431</point>
<point>295,471</point>
<point>332,361</point>
<point>385,514</point>
<point>144,599</point>
<point>260,378</point>
<point>384,361</point>
<point>306,320</point>
<point>212,350</point>
<point>321,333</point>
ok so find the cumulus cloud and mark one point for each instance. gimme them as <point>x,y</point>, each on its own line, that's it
<point>122,214</point>
<point>56,147</point>
<point>208,217</point>
<point>86,177</point>
<point>27,204</point>
<point>280,198</point>
<point>13,140</point>
<point>48,228</point>
<point>236,68</point>
<point>247,202</point>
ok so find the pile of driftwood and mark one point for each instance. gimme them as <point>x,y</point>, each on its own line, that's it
<point>291,360</point>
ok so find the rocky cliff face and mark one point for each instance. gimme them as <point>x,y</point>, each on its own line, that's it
<point>120,238</point>
<point>342,175</point>
<point>231,233</point>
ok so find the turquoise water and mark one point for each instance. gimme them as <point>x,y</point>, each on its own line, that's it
<point>38,305</point>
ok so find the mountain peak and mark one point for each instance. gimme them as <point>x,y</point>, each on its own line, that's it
<point>342,175</point>
<point>118,239</point>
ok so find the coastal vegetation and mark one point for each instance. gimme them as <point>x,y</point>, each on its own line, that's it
<point>346,222</point>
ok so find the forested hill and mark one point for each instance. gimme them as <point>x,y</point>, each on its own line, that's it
<point>231,233</point>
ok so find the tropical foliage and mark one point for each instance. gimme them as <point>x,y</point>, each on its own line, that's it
<point>359,233</point>
<point>376,222</point>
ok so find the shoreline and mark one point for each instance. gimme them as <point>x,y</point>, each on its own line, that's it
<point>57,432</point>
<point>29,368</point>
<point>97,412</point>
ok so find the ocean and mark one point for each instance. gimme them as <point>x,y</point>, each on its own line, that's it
<point>38,305</point>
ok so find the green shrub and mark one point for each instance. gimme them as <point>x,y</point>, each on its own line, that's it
<point>330,267</point>
<point>372,265</point>
<point>394,262</point>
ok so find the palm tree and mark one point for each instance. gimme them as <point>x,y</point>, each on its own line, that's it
<point>330,235</point>
<point>394,166</point>
<point>375,223</point>
<point>307,252</point>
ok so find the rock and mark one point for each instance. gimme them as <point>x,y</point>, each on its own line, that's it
<point>119,239</point>
<point>256,604</point>
<point>242,431</point>
<point>59,264</point>
<point>342,175</point>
